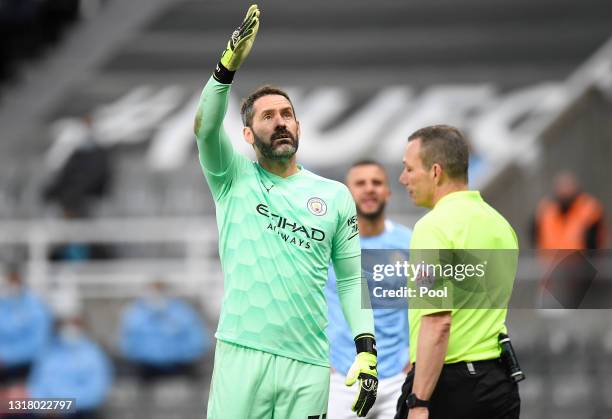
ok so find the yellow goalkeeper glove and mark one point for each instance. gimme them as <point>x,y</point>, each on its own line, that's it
<point>238,46</point>
<point>364,370</point>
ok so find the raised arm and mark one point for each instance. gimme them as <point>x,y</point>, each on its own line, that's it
<point>215,149</point>
<point>214,146</point>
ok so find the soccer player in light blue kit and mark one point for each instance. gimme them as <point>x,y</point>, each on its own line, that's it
<point>368,183</point>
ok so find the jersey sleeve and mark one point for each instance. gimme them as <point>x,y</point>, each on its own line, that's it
<point>353,298</point>
<point>428,245</point>
<point>345,242</point>
<point>346,258</point>
<point>428,236</point>
<point>217,156</point>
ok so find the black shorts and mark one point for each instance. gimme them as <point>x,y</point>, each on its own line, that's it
<point>485,393</point>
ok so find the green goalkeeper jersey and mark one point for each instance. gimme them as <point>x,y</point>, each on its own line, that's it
<point>276,238</point>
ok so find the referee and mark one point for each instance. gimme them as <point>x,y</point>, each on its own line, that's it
<point>457,368</point>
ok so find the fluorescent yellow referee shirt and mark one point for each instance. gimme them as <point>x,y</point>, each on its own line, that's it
<point>463,220</point>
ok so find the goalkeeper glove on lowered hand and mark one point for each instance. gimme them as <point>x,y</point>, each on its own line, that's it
<point>238,47</point>
<point>364,371</point>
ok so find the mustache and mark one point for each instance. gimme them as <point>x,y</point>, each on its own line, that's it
<point>281,132</point>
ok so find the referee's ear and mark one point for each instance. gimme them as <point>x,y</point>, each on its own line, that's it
<point>437,173</point>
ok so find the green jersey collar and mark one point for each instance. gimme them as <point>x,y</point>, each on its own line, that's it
<point>277,178</point>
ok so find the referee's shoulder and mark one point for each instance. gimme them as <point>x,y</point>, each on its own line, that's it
<point>502,221</point>
<point>498,215</point>
<point>427,222</point>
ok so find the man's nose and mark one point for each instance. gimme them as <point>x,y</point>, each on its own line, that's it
<point>279,121</point>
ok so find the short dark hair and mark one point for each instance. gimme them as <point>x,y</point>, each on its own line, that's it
<point>446,146</point>
<point>246,109</point>
<point>367,162</point>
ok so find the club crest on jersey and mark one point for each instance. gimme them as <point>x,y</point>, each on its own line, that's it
<point>317,206</point>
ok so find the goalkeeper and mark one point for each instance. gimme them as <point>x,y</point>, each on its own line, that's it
<point>279,226</point>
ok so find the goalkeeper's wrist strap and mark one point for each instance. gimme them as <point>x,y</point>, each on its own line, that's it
<point>223,75</point>
<point>365,342</point>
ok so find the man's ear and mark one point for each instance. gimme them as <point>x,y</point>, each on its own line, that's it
<point>437,173</point>
<point>247,133</point>
<point>299,134</point>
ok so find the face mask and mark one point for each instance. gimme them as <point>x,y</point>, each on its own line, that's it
<point>4,287</point>
<point>566,202</point>
<point>156,299</point>
<point>8,289</point>
<point>70,333</point>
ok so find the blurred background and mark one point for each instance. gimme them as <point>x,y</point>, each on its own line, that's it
<point>111,283</point>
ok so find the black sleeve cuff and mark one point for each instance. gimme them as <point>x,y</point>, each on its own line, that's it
<point>223,75</point>
<point>365,343</point>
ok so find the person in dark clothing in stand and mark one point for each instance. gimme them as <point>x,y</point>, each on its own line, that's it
<point>86,174</point>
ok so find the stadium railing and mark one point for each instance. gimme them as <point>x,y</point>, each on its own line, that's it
<point>193,268</point>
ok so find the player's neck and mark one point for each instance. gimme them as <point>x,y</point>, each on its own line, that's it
<point>446,189</point>
<point>282,168</point>
<point>371,228</point>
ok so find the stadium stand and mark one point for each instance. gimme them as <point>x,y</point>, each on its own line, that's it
<point>29,27</point>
